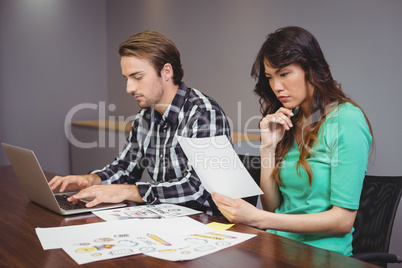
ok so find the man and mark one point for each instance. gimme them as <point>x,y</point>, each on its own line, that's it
<point>151,65</point>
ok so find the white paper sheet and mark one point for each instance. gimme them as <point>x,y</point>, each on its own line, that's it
<point>115,244</point>
<point>171,239</point>
<point>56,237</point>
<point>145,212</point>
<point>197,245</point>
<point>218,166</point>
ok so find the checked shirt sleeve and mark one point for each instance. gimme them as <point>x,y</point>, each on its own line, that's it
<point>125,168</point>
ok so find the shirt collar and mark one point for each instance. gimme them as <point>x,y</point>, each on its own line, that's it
<point>173,110</point>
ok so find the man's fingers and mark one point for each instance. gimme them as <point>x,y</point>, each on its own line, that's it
<point>55,182</point>
<point>93,203</point>
<point>82,195</point>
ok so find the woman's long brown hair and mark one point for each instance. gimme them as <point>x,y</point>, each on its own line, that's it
<point>296,45</point>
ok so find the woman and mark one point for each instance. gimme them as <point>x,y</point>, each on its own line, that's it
<point>315,143</point>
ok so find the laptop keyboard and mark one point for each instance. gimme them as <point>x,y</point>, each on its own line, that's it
<point>67,205</point>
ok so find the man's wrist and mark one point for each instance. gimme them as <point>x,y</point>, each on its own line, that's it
<point>133,193</point>
<point>93,179</point>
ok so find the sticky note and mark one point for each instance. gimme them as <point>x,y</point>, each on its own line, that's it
<point>219,226</point>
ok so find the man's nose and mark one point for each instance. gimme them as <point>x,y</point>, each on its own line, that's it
<point>131,87</point>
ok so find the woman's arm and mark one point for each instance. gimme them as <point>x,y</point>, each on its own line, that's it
<point>335,220</point>
<point>273,127</point>
<point>271,199</point>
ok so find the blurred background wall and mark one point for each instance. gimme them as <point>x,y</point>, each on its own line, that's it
<point>52,58</point>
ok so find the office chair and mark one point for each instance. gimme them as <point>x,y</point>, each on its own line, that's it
<point>253,165</point>
<point>374,220</point>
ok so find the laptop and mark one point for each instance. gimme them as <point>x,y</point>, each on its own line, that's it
<point>34,183</point>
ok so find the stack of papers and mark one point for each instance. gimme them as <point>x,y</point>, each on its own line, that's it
<point>174,239</point>
<point>145,212</point>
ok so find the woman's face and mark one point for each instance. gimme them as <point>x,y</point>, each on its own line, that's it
<point>290,86</point>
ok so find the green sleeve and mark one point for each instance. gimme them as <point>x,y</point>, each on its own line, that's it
<point>349,138</point>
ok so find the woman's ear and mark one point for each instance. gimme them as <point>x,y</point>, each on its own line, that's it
<point>167,72</point>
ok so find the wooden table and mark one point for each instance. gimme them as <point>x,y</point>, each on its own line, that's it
<point>20,246</point>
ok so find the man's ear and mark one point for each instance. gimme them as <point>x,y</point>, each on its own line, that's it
<point>167,72</point>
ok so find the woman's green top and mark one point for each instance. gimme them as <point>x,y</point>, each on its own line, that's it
<point>338,162</point>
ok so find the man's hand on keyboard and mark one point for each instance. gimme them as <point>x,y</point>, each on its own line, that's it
<point>113,193</point>
<point>74,182</point>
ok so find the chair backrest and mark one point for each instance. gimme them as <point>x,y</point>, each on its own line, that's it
<point>375,217</point>
<point>253,165</point>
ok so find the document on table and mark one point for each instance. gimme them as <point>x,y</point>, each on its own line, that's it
<point>55,237</point>
<point>197,244</point>
<point>170,239</point>
<point>145,212</point>
<point>218,166</point>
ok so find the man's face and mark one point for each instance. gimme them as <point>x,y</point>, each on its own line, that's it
<point>143,81</point>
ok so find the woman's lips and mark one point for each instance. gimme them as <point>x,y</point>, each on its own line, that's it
<point>283,98</point>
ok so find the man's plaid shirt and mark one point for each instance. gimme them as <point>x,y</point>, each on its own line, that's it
<point>153,145</point>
